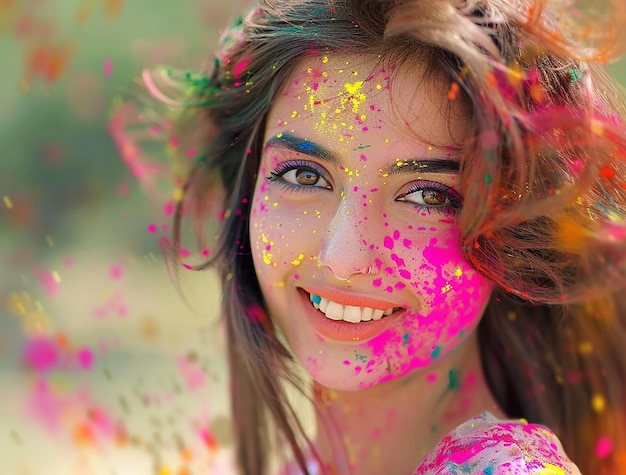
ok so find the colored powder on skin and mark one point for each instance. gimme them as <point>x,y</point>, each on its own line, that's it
<point>453,379</point>
<point>436,352</point>
<point>388,242</point>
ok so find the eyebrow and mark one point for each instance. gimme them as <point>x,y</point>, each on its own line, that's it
<point>399,167</point>
<point>300,145</point>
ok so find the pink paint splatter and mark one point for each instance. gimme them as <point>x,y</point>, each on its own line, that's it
<point>192,374</point>
<point>49,283</point>
<point>85,358</point>
<point>168,209</point>
<point>388,242</point>
<point>116,272</point>
<point>152,228</point>
<point>108,68</point>
<point>604,447</point>
<point>41,354</point>
<point>241,66</point>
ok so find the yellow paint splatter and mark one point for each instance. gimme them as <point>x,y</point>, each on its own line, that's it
<point>267,255</point>
<point>298,261</point>
<point>550,469</point>
<point>356,97</point>
<point>585,348</point>
<point>446,288</point>
<point>458,272</point>
<point>7,202</point>
<point>597,127</point>
<point>598,403</point>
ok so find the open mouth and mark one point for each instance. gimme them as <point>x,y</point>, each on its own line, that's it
<point>349,313</point>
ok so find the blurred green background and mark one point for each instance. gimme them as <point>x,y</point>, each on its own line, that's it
<point>103,367</point>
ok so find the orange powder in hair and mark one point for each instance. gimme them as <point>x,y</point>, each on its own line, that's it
<point>570,235</point>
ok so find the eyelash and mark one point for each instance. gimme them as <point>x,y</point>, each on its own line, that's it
<point>276,175</point>
<point>456,201</point>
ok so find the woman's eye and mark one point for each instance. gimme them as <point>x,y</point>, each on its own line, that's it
<point>304,177</point>
<point>433,196</point>
<point>300,176</point>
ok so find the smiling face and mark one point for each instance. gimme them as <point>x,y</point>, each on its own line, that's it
<point>353,223</point>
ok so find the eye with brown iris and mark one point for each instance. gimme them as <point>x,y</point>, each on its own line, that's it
<point>434,198</point>
<point>305,176</point>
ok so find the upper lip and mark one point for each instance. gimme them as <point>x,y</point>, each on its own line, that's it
<point>355,300</point>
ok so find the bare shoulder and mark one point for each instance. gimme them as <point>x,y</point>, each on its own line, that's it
<point>490,446</point>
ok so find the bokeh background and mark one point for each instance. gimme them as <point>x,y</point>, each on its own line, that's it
<point>104,368</point>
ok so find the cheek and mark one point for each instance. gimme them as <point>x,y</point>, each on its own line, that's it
<point>450,298</point>
<point>282,237</point>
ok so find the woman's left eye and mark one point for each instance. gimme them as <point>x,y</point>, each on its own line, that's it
<point>432,195</point>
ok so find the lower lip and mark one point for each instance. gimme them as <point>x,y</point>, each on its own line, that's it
<point>342,330</point>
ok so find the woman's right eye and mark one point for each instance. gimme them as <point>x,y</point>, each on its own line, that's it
<point>299,176</point>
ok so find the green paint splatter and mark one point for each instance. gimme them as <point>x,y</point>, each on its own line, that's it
<point>436,352</point>
<point>405,339</point>
<point>462,333</point>
<point>453,379</point>
<point>488,179</point>
<point>574,75</point>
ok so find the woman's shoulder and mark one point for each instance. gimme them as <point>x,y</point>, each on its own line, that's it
<point>490,446</point>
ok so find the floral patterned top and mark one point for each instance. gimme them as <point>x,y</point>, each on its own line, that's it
<point>485,445</point>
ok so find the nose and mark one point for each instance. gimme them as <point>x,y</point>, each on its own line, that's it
<point>345,249</point>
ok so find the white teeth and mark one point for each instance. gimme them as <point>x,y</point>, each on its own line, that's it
<point>352,314</point>
<point>366,314</point>
<point>377,314</point>
<point>334,311</point>
<point>348,313</point>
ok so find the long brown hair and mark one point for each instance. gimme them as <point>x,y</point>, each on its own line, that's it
<point>543,171</point>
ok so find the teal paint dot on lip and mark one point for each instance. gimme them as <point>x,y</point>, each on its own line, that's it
<point>316,299</point>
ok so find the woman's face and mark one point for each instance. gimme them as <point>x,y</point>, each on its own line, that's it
<point>353,224</point>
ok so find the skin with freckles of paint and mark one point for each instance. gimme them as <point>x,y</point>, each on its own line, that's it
<point>339,191</point>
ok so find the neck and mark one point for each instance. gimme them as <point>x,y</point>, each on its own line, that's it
<point>395,424</point>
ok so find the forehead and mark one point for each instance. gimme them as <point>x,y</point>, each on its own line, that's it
<point>345,98</point>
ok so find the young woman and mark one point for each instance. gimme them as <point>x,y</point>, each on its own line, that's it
<point>422,205</point>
